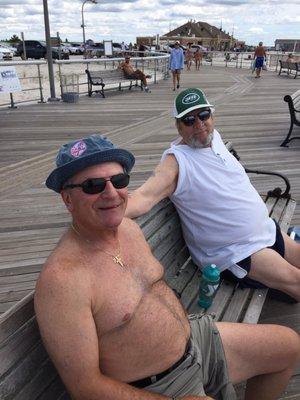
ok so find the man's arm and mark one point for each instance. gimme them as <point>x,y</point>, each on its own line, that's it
<point>162,183</point>
<point>64,314</point>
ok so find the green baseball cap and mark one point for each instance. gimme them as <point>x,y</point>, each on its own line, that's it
<point>188,100</point>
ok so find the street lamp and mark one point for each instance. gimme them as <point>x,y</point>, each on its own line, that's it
<point>82,24</point>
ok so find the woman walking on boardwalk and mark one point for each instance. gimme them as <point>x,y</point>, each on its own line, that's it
<point>176,64</point>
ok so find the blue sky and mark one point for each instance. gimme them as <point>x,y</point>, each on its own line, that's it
<point>123,20</point>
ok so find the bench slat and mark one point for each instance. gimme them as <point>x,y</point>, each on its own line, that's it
<point>40,382</point>
<point>255,306</point>
<point>237,305</point>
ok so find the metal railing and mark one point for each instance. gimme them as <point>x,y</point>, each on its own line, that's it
<point>29,82</point>
<point>70,74</point>
<point>157,66</point>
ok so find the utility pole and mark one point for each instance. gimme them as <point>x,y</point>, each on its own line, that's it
<point>49,53</point>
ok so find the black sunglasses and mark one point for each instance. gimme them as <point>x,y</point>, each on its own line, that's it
<point>203,115</point>
<point>97,185</point>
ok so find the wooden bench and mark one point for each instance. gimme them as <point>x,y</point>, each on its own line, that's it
<point>108,77</point>
<point>289,68</point>
<point>26,373</point>
<point>293,101</point>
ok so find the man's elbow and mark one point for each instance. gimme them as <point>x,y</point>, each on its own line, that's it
<point>137,206</point>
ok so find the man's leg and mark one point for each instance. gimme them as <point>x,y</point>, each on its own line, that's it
<point>269,268</point>
<point>140,75</point>
<point>265,355</point>
<point>291,250</point>
<point>258,70</point>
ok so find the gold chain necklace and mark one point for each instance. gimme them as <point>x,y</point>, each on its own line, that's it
<point>117,259</point>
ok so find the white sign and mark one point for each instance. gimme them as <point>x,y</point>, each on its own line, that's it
<point>108,47</point>
<point>9,81</point>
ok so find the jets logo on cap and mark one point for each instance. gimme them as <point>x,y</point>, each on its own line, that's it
<point>190,98</point>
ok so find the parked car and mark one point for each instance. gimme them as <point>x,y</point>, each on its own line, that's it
<point>5,53</point>
<point>9,47</point>
<point>202,49</point>
<point>62,50</point>
<point>74,48</point>
<point>117,49</point>
<point>97,50</point>
<point>79,47</point>
<point>37,49</point>
<point>168,47</point>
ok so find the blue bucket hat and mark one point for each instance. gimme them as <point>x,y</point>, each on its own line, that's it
<point>80,154</point>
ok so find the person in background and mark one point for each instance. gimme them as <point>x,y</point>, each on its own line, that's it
<point>132,73</point>
<point>198,59</point>
<point>290,58</point>
<point>188,57</point>
<point>176,64</point>
<point>142,49</point>
<point>123,48</point>
<point>260,57</point>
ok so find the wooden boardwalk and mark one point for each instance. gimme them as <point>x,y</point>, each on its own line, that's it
<point>249,112</point>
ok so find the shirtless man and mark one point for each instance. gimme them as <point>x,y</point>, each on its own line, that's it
<point>130,72</point>
<point>260,57</point>
<point>113,328</point>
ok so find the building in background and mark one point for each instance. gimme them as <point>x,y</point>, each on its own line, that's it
<point>204,34</point>
<point>200,33</point>
<point>289,45</point>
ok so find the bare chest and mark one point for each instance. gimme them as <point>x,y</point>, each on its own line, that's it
<point>119,290</point>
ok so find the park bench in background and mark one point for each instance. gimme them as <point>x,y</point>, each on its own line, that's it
<point>294,108</point>
<point>289,68</point>
<point>108,77</point>
<point>26,373</point>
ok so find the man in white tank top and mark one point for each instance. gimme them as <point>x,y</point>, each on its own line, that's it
<point>224,220</point>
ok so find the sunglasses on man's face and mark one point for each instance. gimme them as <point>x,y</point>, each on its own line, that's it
<point>189,120</point>
<point>97,185</point>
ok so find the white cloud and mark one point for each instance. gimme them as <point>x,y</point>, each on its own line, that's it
<point>251,20</point>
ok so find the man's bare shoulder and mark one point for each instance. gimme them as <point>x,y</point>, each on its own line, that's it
<point>131,228</point>
<point>63,271</point>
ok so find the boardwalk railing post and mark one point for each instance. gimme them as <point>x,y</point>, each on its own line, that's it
<point>40,85</point>
<point>12,104</point>
<point>60,81</point>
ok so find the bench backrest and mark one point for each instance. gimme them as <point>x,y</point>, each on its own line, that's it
<point>293,101</point>
<point>96,77</point>
<point>289,65</point>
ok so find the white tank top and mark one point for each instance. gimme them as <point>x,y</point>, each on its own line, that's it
<point>223,218</point>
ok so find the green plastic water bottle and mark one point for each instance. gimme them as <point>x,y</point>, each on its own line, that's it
<point>209,285</point>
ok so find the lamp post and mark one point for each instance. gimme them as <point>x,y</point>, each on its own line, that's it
<point>49,53</point>
<point>82,23</point>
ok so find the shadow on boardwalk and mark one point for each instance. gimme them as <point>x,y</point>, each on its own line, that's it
<point>249,112</point>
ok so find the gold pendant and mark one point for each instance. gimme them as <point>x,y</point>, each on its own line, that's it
<point>118,260</point>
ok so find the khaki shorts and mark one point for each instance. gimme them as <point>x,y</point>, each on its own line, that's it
<point>204,371</point>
